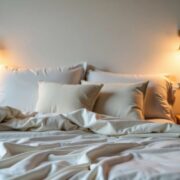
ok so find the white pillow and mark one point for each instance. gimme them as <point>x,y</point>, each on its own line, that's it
<point>58,98</point>
<point>156,100</point>
<point>19,87</point>
<point>121,100</point>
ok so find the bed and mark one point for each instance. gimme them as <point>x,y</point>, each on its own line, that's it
<point>89,142</point>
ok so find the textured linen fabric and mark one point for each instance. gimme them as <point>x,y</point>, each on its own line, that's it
<point>121,100</point>
<point>55,97</point>
<point>63,146</point>
<point>19,87</point>
<point>157,94</point>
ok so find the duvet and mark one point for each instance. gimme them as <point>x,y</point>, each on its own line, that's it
<point>85,145</point>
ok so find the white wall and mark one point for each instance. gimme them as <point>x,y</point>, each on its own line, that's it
<point>128,36</point>
<point>121,35</point>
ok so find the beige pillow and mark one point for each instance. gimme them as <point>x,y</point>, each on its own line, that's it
<point>158,98</point>
<point>59,98</point>
<point>121,100</point>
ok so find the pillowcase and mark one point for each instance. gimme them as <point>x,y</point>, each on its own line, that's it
<point>156,103</point>
<point>121,100</point>
<point>58,98</point>
<point>19,87</point>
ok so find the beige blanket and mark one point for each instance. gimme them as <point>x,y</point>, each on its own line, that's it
<point>76,146</point>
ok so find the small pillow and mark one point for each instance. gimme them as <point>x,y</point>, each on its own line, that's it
<point>19,87</point>
<point>121,100</point>
<point>58,98</point>
<point>157,95</point>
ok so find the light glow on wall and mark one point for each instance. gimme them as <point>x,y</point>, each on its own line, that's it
<point>177,56</point>
<point>4,57</point>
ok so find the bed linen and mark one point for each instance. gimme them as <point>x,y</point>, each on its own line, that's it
<point>19,86</point>
<point>159,93</point>
<point>86,145</point>
<point>127,100</point>
<point>63,98</point>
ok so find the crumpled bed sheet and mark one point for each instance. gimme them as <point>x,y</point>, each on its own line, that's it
<point>85,145</point>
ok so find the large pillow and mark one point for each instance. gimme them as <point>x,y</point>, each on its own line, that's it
<point>156,99</point>
<point>19,87</point>
<point>58,98</point>
<point>121,100</point>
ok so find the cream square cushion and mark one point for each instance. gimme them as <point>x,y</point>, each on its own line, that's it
<point>121,100</point>
<point>157,95</point>
<point>19,87</point>
<point>59,98</point>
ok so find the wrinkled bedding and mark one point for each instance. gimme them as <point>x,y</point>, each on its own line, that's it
<point>85,145</point>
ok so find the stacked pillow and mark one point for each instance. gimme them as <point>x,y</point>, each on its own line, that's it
<point>19,87</point>
<point>135,97</point>
<point>158,96</point>
<point>116,100</point>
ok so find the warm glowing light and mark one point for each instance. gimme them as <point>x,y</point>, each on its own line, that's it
<point>175,64</point>
<point>2,56</point>
<point>5,57</point>
<point>178,55</point>
<point>8,57</point>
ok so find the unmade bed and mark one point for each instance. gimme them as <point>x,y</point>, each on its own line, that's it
<point>55,125</point>
<point>84,145</point>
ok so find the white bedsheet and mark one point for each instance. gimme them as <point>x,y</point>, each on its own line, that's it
<point>84,145</point>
